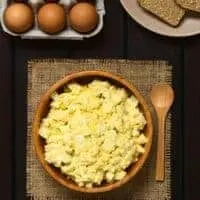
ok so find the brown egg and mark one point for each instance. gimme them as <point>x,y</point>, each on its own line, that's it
<point>51,18</point>
<point>83,17</point>
<point>18,17</point>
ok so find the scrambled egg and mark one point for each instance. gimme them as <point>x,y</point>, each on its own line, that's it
<point>93,132</point>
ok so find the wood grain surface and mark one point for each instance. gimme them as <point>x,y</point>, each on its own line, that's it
<point>191,115</point>
<point>121,38</point>
<point>6,105</point>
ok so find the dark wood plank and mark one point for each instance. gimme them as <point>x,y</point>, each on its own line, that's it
<point>6,144</point>
<point>191,122</point>
<point>145,45</point>
<point>23,51</point>
<point>109,43</point>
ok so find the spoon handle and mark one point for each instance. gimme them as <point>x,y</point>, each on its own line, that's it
<point>160,160</point>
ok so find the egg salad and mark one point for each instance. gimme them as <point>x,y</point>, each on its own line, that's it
<point>93,132</point>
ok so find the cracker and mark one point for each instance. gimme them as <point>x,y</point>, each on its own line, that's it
<point>166,10</point>
<point>193,5</point>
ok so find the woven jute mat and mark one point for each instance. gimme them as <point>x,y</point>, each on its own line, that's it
<point>143,74</point>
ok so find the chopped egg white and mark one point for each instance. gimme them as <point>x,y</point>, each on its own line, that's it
<point>93,132</point>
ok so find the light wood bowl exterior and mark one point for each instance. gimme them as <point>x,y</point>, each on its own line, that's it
<point>43,108</point>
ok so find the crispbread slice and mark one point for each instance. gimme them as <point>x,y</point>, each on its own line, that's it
<point>166,10</point>
<point>193,5</point>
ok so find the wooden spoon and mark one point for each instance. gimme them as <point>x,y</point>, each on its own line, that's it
<point>162,97</point>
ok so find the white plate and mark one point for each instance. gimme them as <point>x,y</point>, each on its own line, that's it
<point>189,26</point>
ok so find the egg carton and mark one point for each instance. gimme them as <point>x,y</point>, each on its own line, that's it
<point>67,34</point>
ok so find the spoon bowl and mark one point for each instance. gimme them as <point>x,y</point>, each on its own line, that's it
<point>162,96</point>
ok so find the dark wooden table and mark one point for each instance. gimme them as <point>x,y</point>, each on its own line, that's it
<point>121,38</point>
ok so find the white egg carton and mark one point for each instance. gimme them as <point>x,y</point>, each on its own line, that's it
<point>67,34</point>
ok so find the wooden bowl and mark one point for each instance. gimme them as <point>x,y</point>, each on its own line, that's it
<point>42,110</point>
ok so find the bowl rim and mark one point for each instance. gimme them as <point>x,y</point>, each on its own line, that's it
<point>37,120</point>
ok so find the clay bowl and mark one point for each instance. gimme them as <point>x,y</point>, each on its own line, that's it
<point>85,77</point>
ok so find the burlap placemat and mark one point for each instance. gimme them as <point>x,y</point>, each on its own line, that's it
<point>42,73</point>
